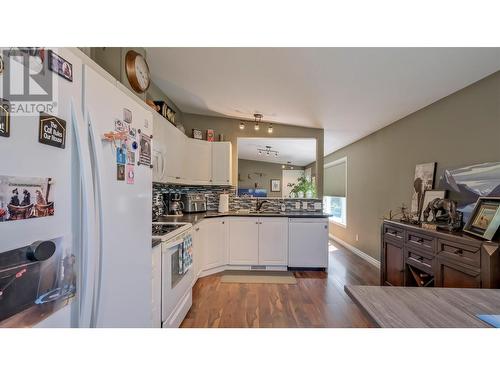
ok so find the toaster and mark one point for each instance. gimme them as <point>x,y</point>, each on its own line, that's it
<point>194,202</point>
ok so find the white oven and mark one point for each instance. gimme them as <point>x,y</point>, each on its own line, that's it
<point>177,277</point>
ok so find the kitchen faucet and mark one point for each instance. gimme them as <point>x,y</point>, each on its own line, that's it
<point>260,203</point>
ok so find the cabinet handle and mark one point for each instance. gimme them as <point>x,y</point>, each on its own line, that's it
<point>326,226</point>
<point>223,222</point>
<point>459,251</point>
<point>197,229</point>
<point>256,222</point>
<point>177,178</point>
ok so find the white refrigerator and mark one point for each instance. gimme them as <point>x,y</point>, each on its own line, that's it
<point>75,221</point>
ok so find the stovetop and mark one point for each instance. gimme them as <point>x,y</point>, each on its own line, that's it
<point>162,229</point>
<point>166,231</point>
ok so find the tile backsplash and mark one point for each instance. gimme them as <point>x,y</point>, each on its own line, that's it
<point>235,202</point>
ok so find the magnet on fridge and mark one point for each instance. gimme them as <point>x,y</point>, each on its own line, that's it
<point>134,145</point>
<point>132,132</point>
<point>127,115</point>
<point>130,174</point>
<point>120,172</point>
<point>121,155</point>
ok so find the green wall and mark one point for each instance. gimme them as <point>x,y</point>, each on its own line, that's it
<point>461,129</point>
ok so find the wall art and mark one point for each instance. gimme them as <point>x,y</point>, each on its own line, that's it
<point>467,184</point>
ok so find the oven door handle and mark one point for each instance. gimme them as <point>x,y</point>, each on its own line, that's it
<point>170,246</point>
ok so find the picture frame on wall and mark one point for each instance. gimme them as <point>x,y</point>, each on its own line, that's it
<point>276,185</point>
<point>197,134</point>
<point>429,196</point>
<point>485,218</point>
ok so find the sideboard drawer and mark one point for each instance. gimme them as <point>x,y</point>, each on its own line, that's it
<point>460,252</point>
<point>422,260</point>
<point>420,241</point>
<point>393,232</point>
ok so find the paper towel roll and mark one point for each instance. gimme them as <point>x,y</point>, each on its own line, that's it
<point>223,203</point>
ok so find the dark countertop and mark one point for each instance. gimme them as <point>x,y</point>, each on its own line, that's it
<point>404,307</point>
<point>195,218</point>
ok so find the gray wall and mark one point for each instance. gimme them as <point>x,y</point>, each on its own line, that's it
<point>461,129</point>
<point>270,171</point>
<point>229,127</point>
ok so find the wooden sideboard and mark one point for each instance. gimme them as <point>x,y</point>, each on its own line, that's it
<point>414,256</point>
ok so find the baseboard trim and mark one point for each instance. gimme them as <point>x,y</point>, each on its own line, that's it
<point>356,251</point>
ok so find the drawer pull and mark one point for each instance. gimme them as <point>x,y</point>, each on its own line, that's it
<point>420,240</point>
<point>459,251</point>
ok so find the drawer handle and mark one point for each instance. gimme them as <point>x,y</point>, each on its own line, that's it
<point>421,259</point>
<point>459,251</point>
<point>420,240</point>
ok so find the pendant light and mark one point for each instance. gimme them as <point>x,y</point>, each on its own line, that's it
<point>242,125</point>
<point>270,129</point>
<point>258,118</point>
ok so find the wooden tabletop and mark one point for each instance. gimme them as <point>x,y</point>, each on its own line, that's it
<point>404,307</point>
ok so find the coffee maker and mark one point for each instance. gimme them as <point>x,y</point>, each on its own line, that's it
<point>172,204</point>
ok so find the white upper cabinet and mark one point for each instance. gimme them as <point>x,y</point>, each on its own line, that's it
<point>159,147</point>
<point>198,157</point>
<point>243,241</point>
<point>175,158</point>
<point>178,159</point>
<point>221,163</point>
<point>273,241</point>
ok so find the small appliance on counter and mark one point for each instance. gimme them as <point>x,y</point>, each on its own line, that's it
<point>194,202</point>
<point>223,203</point>
<point>172,204</point>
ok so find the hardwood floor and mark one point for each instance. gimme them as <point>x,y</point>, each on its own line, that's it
<point>317,300</point>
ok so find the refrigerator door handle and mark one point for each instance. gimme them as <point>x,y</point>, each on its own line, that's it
<point>87,221</point>
<point>94,147</point>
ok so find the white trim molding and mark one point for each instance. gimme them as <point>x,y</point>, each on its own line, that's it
<point>356,251</point>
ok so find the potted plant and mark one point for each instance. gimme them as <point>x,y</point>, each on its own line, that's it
<point>303,187</point>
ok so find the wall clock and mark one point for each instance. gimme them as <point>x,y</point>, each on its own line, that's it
<point>137,71</point>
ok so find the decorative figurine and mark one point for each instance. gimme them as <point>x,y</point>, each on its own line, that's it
<point>445,214</point>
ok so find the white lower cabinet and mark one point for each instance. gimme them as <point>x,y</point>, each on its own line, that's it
<point>308,243</point>
<point>198,244</point>
<point>243,241</point>
<point>258,241</point>
<point>215,242</point>
<point>273,241</point>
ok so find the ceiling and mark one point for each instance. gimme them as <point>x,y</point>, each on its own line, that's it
<point>299,152</point>
<point>349,92</point>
